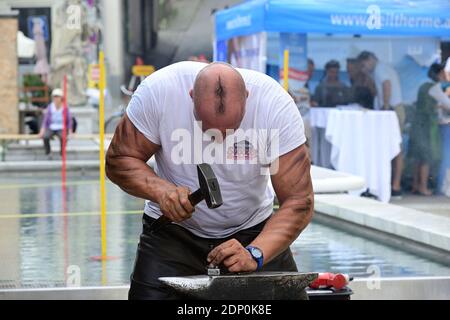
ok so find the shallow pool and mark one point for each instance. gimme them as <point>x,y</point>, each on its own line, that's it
<point>40,246</point>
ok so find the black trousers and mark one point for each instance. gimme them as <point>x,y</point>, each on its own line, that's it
<point>174,251</point>
<point>48,135</point>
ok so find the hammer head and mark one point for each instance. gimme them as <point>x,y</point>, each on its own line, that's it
<point>209,186</point>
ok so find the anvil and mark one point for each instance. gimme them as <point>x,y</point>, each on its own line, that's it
<point>248,286</point>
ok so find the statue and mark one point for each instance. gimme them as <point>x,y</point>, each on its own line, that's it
<point>70,36</point>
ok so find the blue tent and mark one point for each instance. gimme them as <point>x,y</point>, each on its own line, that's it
<point>375,17</point>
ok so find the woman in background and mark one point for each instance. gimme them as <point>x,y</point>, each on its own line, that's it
<point>363,90</point>
<point>425,145</point>
<point>53,123</point>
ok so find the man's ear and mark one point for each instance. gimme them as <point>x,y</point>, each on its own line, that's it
<point>191,93</point>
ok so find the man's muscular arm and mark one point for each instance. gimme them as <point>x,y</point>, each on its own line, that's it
<point>126,166</point>
<point>293,187</point>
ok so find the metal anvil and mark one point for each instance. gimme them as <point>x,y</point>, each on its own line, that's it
<point>249,286</point>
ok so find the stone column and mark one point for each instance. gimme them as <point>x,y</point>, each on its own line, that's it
<point>112,16</point>
<point>9,112</point>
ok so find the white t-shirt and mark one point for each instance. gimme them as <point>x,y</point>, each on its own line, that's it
<point>162,110</point>
<point>382,73</point>
<point>57,120</point>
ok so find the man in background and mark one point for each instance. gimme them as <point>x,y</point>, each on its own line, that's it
<point>389,97</point>
<point>331,92</point>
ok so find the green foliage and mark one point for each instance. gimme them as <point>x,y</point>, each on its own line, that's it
<point>33,80</point>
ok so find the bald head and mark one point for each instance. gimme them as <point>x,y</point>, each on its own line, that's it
<point>219,96</point>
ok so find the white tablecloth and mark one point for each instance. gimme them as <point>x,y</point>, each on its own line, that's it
<point>318,117</point>
<point>363,144</point>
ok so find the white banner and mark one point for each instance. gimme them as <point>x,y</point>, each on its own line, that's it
<point>248,52</point>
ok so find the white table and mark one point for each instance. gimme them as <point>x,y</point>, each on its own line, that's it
<point>363,144</point>
<point>318,117</point>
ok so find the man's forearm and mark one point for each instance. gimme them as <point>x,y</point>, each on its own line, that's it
<point>285,226</point>
<point>135,177</point>
<point>293,187</point>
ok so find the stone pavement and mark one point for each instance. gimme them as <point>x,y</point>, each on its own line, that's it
<point>437,204</point>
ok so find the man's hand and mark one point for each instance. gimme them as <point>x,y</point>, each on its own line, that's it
<point>233,256</point>
<point>175,205</point>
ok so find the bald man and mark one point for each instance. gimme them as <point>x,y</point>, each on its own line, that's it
<point>179,114</point>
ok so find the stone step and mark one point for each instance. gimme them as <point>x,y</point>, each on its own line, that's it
<point>34,150</point>
<point>40,156</point>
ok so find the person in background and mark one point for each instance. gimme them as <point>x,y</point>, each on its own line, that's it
<point>425,145</point>
<point>310,72</point>
<point>304,105</point>
<point>352,68</point>
<point>303,102</point>
<point>447,77</point>
<point>389,97</point>
<point>447,69</point>
<point>331,92</point>
<point>362,90</point>
<point>53,122</point>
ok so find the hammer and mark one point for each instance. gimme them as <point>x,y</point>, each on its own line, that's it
<point>209,191</point>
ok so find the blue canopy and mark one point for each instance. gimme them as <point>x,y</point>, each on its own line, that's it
<point>375,17</point>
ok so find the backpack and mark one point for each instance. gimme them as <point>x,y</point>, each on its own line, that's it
<point>74,124</point>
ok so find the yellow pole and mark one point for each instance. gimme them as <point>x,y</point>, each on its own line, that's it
<point>286,70</point>
<point>101,125</point>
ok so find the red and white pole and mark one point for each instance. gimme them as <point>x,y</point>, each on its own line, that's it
<point>63,176</point>
<point>65,131</point>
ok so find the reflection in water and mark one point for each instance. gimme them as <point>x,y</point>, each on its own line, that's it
<point>35,252</point>
<point>323,249</point>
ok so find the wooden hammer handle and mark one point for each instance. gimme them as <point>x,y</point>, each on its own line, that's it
<point>195,198</point>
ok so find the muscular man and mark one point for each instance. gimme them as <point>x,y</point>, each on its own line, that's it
<point>165,117</point>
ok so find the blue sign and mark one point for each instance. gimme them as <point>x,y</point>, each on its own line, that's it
<point>43,23</point>
<point>249,19</point>
<point>220,52</point>
<point>376,17</point>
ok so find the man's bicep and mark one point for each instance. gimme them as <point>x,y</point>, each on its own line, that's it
<point>128,141</point>
<point>293,177</point>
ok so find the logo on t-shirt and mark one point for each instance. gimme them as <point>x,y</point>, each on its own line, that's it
<point>242,150</point>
